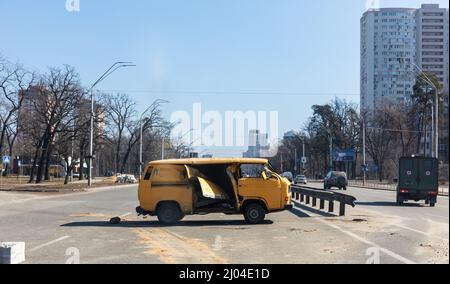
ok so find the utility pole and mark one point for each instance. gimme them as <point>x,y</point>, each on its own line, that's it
<point>140,149</point>
<point>295,163</point>
<point>163,148</point>
<point>432,153</point>
<point>331,152</point>
<point>364,150</point>
<point>437,123</point>
<point>436,114</point>
<point>303,157</point>
<point>91,141</point>
<point>108,72</point>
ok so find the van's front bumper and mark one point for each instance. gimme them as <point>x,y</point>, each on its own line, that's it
<point>289,207</point>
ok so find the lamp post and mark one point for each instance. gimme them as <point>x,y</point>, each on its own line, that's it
<point>436,114</point>
<point>364,149</point>
<point>140,141</point>
<point>108,72</point>
<point>331,149</point>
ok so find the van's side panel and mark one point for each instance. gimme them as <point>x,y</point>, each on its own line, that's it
<point>168,183</point>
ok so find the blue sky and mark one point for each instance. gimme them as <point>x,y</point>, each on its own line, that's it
<point>298,46</point>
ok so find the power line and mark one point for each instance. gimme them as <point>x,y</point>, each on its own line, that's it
<point>395,130</point>
<point>182,92</point>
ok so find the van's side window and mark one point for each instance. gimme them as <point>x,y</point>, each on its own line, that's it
<point>252,171</point>
<point>148,174</point>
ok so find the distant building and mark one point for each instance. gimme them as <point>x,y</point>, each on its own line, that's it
<point>388,47</point>
<point>257,143</point>
<point>392,41</point>
<point>432,41</point>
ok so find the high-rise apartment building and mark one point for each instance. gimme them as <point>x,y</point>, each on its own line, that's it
<point>388,46</point>
<point>432,42</point>
<point>393,40</point>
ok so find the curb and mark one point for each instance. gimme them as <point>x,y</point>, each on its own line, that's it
<point>79,190</point>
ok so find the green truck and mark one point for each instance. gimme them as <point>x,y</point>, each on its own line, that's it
<point>418,180</point>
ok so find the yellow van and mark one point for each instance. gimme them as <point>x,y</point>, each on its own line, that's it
<point>172,189</point>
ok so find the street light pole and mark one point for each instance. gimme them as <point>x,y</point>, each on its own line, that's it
<point>364,150</point>
<point>140,149</point>
<point>108,72</point>
<point>304,157</point>
<point>163,147</point>
<point>436,114</point>
<point>331,152</point>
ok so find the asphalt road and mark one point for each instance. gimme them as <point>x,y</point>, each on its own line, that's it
<point>72,227</point>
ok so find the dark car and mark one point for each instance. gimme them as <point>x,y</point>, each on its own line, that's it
<point>335,179</point>
<point>418,180</point>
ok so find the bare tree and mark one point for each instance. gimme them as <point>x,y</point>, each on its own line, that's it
<point>14,80</point>
<point>53,107</point>
<point>380,138</point>
<point>120,110</point>
<point>152,120</point>
<point>123,125</point>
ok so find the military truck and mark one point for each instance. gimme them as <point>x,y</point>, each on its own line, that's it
<point>418,180</point>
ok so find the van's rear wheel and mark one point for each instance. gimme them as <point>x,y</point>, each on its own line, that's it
<point>169,213</point>
<point>254,213</point>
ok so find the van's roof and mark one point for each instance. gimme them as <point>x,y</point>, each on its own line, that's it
<point>210,161</point>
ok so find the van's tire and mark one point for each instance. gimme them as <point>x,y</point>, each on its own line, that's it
<point>345,188</point>
<point>169,213</point>
<point>432,204</point>
<point>254,213</point>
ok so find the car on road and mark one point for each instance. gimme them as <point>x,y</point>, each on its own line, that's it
<point>126,179</point>
<point>289,176</point>
<point>172,189</point>
<point>335,179</point>
<point>300,179</point>
<point>418,180</point>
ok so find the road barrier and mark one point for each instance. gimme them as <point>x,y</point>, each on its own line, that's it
<point>309,195</point>
<point>443,190</point>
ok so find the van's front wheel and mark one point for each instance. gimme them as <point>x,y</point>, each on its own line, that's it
<point>254,213</point>
<point>169,213</point>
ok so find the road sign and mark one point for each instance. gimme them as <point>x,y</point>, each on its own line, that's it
<point>6,160</point>
<point>345,155</point>
<point>304,160</point>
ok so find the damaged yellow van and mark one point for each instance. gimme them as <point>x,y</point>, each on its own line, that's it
<point>172,189</point>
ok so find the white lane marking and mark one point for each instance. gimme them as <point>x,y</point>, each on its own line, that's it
<point>420,232</point>
<point>437,216</point>
<point>370,243</point>
<point>50,243</point>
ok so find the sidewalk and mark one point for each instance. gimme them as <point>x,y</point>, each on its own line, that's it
<point>12,185</point>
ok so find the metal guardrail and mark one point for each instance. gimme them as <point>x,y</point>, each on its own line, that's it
<point>443,190</point>
<point>310,195</point>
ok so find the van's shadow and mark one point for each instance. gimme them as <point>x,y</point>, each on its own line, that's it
<point>156,224</point>
<point>388,204</point>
